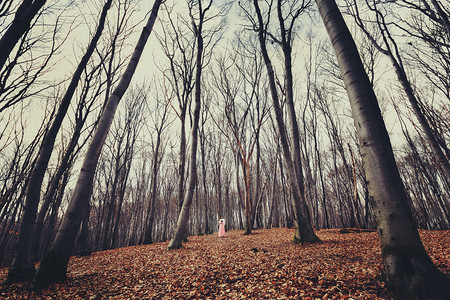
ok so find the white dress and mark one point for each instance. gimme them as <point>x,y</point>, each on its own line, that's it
<point>222,228</point>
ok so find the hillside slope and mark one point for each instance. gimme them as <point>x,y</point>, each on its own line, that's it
<point>265,265</point>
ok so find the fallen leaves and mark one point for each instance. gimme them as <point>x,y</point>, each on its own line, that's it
<point>264,265</point>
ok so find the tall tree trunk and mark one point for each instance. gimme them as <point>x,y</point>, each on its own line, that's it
<point>22,269</point>
<point>218,182</point>
<point>54,265</point>
<point>325,221</point>
<point>111,205</point>
<point>181,229</point>
<point>84,240</point>
<point>407,268</point>
<point>122,189</point>
<point>304,232</point>
<point>258,192</point>
<point>247,199</point>
<point>182,163</point>
<point>151,208</point>
<point>238,158</point>
<point>274,215</point>
<point>295,132</point>
<point>205,188</point>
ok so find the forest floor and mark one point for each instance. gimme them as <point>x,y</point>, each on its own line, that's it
<point>264,265</point>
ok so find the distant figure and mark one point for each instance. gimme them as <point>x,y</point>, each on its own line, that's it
<point>222,227</point>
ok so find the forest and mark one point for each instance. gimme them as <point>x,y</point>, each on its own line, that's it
<point>126,123</point>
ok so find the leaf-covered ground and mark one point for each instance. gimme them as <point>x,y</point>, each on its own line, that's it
<point>265,265</point>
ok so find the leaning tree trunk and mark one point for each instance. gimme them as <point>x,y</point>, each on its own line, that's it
<point>304,232</point>
<point>64,165</point>
<point>408,270</point>
<point>181,229</point>
<point>22,269</point>
<point>53,267</point>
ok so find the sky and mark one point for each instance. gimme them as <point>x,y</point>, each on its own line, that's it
<point>80,15</point>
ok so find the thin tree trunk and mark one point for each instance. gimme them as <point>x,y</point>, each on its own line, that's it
<point>84,240</point>
<point>238,186</point>
<point>122,189</point>
<point>205,189</point>
<point>407,268</point>
<point>182,165</point>
<point>54,265</point>
<point>274,218</point>
<point>247,203</point>
<point>181,229</point>
<point>295,132</point>
<point>111,206</point>
<point>441,160</point>
<point>322,184</point>
<point>218,182</point>
<point>151,209</point>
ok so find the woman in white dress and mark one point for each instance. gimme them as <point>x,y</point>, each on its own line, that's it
<point>222,227</point>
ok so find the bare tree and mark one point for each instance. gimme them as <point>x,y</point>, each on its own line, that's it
<point>53,267</point>
<point>23,73</point>
<point>55,188</point>
<point>24,15</point>
<point>181,228</point>
<point>238,80</point>
<point>390,48</point>
<point>160,121</point>
<point>22,268</point>
<point>179,47</point>
<point>304,231</point>
<point>408,270</point>
<point>119,153</point>
<point>17,159</point>
<point>204,200</point>
<point>201,36</point>
<point>418,174</point>
<point>98,78</point>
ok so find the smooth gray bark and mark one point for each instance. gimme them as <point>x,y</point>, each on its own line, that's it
<point>407,268</point>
